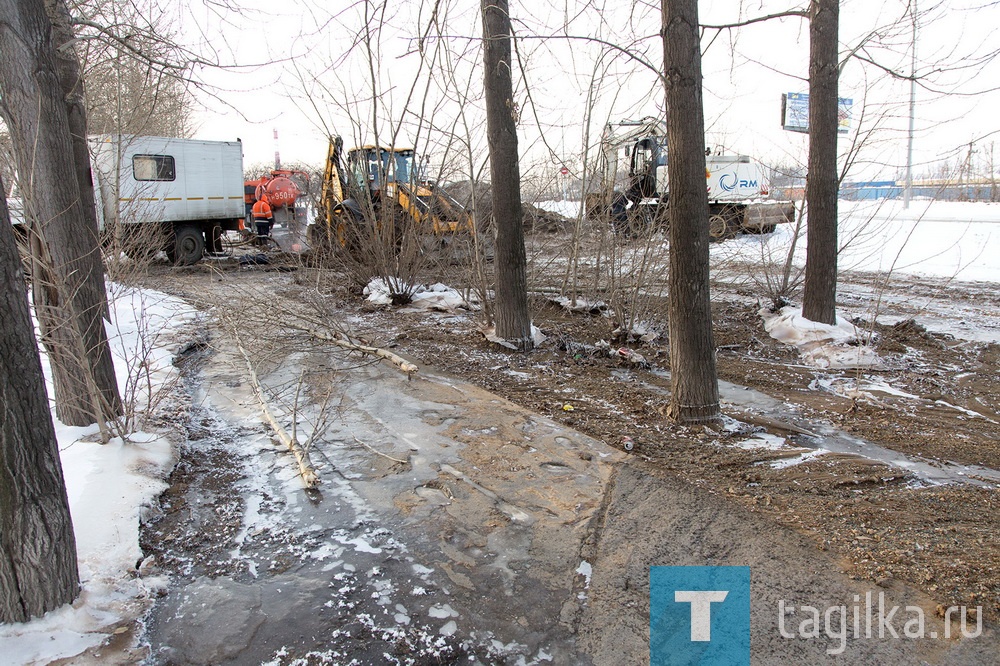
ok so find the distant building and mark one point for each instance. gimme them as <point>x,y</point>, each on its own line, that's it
<point>939,189</point>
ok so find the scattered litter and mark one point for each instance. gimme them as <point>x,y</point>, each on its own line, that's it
<point>625,355</point>
<point>490,333</point>
<point>642,331</point>
<point>632,357</point>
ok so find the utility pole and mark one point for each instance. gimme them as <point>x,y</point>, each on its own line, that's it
<point>908,189</point>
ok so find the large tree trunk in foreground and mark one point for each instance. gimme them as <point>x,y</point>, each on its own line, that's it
<point>694,394</point>
<point>819,299</point>
<point>38,568</point>
<point>513,321</point>
<point>67,273</point>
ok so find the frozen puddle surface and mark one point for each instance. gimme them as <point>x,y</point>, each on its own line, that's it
<point>827,439</point>
<point>469,549</point>
<point>824,438</point>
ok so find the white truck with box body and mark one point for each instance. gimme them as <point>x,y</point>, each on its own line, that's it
<point>176,195</point>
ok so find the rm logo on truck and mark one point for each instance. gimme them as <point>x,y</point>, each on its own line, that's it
<point>730,182</point>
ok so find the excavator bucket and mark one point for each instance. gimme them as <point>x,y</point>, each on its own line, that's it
<point>764,217</point>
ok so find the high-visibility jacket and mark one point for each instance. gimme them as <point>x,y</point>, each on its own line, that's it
<point>262,210</point>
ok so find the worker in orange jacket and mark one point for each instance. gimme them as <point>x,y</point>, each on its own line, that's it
<point>263,217</point>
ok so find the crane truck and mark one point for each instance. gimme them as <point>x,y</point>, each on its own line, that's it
<point>736,185</point>
<point>378,183</point>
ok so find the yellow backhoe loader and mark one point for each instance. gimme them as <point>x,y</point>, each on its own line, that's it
<point>382,193</point>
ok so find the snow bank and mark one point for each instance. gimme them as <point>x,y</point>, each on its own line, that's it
<point>570,209</point>
<point>821,345</point>
<point>109,486</point>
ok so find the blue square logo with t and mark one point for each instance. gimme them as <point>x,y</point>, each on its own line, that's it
<point>699,615</point>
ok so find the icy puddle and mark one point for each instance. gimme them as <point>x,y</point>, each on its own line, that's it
<point>825,438</point>
<point>830,439</point>
<point>449,525</point>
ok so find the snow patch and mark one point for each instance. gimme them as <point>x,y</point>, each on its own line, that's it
<point>797,460</point>
<point>441,611</point>
<point>438,296</point>
<point>762,440</point>
<point>582,305</point>
<point>490,334</point>
<point>586,570</point>
<point>110,486</point>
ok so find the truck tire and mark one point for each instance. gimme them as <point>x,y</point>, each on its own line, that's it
<point>188,246</point>
<point>723,222</point>
<point>718,227</point>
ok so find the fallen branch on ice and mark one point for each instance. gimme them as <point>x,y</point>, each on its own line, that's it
<point>379,453</point>
<point>343,341</point>
<point>309,477</point>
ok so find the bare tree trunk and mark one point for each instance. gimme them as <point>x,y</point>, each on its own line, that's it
<point>38,567</point>
<point>819,299</point>
<point>513,321</point>
<point>71,80</point>
<point>67,275</point>
<point>694,384</point>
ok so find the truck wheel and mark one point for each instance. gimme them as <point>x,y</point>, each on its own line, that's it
<point>189,245</point>
<point>718,227</point>
<point>724,222</point>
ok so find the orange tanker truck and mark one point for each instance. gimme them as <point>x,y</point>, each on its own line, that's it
<point>283,188</point>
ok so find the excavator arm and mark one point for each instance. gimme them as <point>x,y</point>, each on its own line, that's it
<point>334,182</point>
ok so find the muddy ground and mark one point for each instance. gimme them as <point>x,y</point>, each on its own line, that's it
<point>936,400</point>
<point>945,539</point>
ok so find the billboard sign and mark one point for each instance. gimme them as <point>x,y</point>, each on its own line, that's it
<point>795,113</point>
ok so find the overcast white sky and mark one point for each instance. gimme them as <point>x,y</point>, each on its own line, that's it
<point>319,78</point>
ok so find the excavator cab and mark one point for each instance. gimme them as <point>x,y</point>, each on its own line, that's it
<point>375,166</point>
<point>647,157</point>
